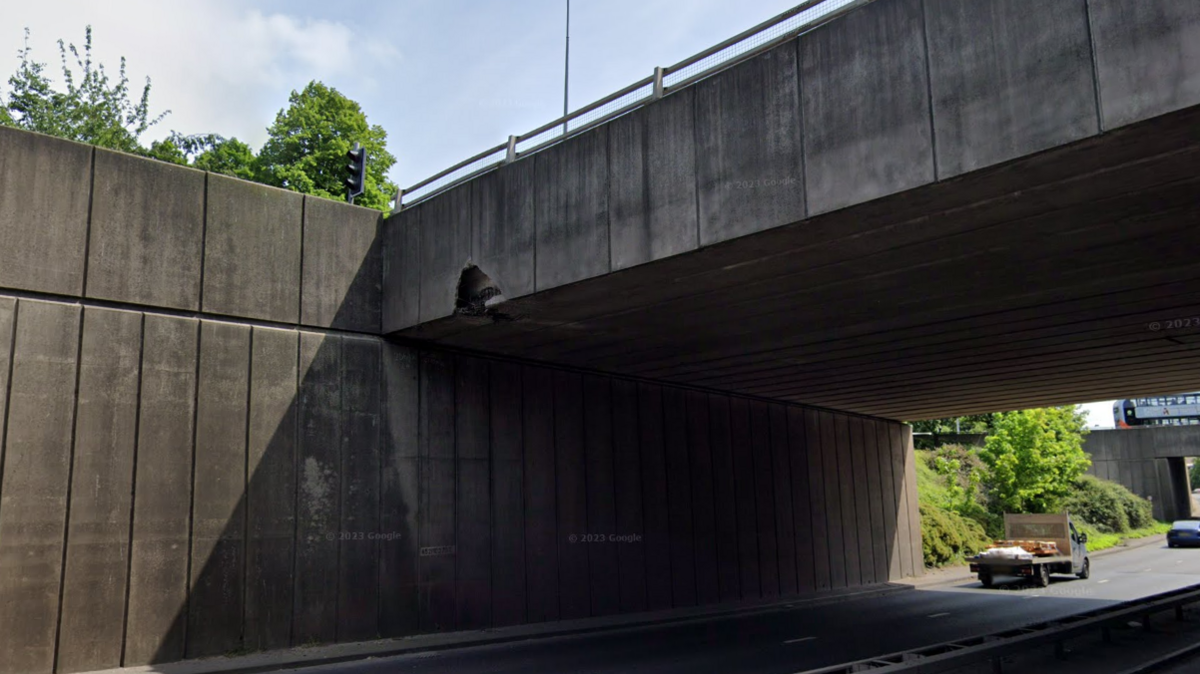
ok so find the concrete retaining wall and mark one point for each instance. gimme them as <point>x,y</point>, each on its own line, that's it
<point>179,487</point>
<point>1141,458</point>
<point>206,446</point>
<point>894,96</point>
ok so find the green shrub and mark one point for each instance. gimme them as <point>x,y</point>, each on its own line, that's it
<point>947,536</point>
<point>1108,506</point>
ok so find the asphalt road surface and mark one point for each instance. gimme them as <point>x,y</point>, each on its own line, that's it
<point>806,638</point>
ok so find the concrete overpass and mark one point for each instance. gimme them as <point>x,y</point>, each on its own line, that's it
<point>238,418</point>
<point>1149,461</point>
<point>918,210</point>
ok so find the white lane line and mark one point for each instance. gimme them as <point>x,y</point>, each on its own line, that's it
<point>1101,582</point>
<point>796,641</point>
<point>938,615</point>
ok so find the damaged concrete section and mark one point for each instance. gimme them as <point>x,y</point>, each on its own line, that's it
<point>477,294</point>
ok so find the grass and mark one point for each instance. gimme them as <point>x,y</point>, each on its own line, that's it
<point>1098,541</point>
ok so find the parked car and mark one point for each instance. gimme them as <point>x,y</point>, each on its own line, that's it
<point>1184,532</point>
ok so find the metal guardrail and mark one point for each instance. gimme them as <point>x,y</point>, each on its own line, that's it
<point>992,648</point>
<point>802,18</point>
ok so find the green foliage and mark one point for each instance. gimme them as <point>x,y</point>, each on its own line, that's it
<point>1034,458</point>
<point>93,108</point>
<point>1194,475</point>
<point>948,537</point>
<point>1099,540</point>
<point>1108,506</point>
<point>208,152</point>
<point>972,423</point>
<point>307,145</point>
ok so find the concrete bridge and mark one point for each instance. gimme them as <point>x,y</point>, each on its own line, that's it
<point>237,418</point>
<point>920,209</point>
<point>1149,461</point>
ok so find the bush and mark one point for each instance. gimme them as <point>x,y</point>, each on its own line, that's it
<point>947,536</point>
<point>1108,506</point>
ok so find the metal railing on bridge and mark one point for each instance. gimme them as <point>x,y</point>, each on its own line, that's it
<point>748,44</point>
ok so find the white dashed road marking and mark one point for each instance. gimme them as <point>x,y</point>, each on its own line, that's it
<point>938,615</point>
<point>796,641</point>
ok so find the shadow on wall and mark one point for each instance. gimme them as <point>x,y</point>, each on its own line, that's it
<point>263,488</point>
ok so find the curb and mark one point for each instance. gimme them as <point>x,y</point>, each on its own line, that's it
<point>330,654</point>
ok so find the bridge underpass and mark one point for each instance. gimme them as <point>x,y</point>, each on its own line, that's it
<point>1150,462</point>
<point>918,210</point>
<point>236,418</point>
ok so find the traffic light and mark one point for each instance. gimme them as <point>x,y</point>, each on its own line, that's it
<point>358,172</point>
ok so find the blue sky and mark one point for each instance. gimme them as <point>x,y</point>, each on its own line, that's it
<point>444,78</point>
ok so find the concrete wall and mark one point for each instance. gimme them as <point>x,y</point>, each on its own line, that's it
<point>206,446</point>
<point>1142,458</point>
<point>896,95</point>
<point>165,236</point>
<point>179,487</point>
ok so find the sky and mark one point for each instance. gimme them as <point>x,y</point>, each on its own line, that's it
<point>445,78</point>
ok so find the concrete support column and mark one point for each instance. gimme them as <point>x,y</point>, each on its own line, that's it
<point>1180,505</point>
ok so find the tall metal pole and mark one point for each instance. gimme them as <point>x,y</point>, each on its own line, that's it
<point>567,67</point>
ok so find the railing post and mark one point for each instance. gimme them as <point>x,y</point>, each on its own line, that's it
<point>399,200</point>
<point>512,150</point>
<point>658,82</point>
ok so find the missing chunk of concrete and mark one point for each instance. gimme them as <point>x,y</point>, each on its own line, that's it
<point>477,294</point>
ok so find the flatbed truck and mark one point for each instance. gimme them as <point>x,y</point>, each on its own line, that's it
<point>1057,528</point>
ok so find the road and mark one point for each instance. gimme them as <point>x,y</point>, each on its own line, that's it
<point>806,638</point>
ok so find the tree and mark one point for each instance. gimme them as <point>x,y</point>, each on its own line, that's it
<point>1034,457</point>
<point>208,152</point>
<point>306,147</point>
<point>93,109</point>
<point>1194,475</point>
<point>972,423</point>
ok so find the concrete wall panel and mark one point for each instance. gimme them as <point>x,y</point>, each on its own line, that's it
<point>574,595</point>
<point>341,283</point>
<point>679,498</point>
<point>764,497</point>
<point>875,496</point>
<point>508,498</point>
<point>627,475</point>
<point>398,500</point>
<point>910,486</point>
<point>848,495</point>
<point>601,496</point>
<point>704,516</point>
<point>785,525</point>
<point>437,509</point>
<point>1147,57</point>
<point>358,556</point>
<point>473,495</point>
<point>159,552</point>
<point>887,492</point>
<point>747,509</point>
<point>571,210</point>
<point>814,449</point>
<point>867,130</point>
<point>401,270</point>
<point>749,163</point>
<point>502,227</point>
<point>653,182</point>
<point>218,510</point>
<point>252,250</point>
<point>318,487</point>
<point>44,198</point>
<point>34,491</point>
<point>541,527</point>
<point>654,497</point>
<point>725,499</point>
<point>147,232</point>
<point>271,493</point>
<point>8,310</point>
<point>1008,78</point>
<point>799,449</point>
<point>445,249</point>
<point>862,500</point>
<point>94,580</point>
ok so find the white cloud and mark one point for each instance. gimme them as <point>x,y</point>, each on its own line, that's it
<point>219,66</point>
